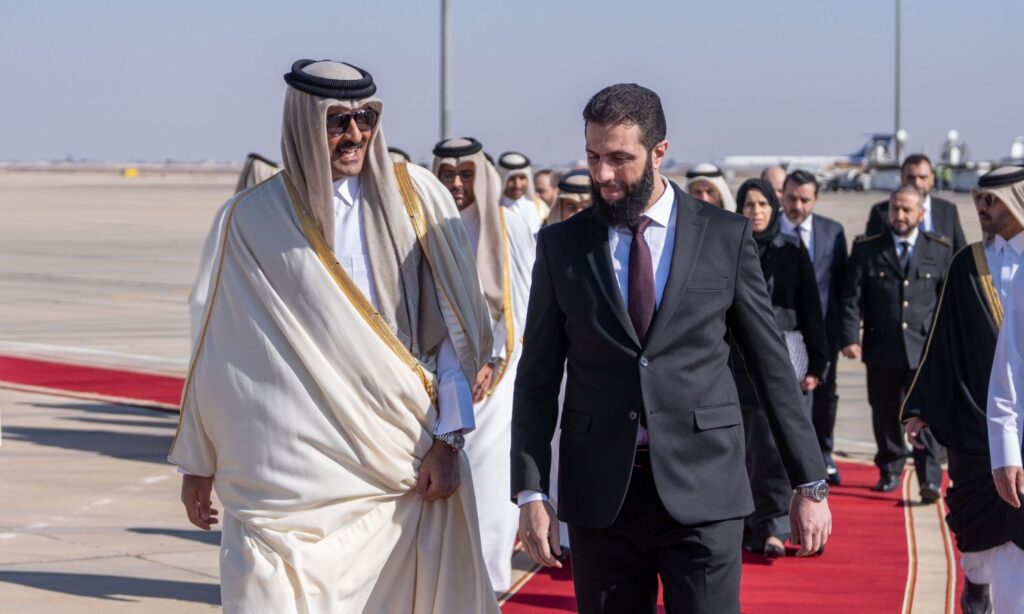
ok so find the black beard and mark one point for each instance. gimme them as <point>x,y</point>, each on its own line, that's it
<point>627,210</point>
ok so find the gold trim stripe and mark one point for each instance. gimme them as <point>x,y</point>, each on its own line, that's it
<point>506,303</point>
<point>995,304</point>
<point>354,294</point>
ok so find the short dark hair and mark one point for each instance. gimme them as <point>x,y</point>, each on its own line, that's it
<point>801,177</point>
<point>628,103</point>
<point>914,160</point>
<point>555,175</point>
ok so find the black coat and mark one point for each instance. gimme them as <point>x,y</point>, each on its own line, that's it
<point>680,379</point>
<point>829,259</point>
<point>945,218</point>
<point>793,289</point>
<point>950,393</point>
<point>896,309</point>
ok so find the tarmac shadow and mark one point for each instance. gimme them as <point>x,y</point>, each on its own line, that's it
<point>206,537</point>
<point>127,446</point>
<point>114,588</point>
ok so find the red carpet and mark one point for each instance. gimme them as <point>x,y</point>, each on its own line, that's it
<point>111,384</point>
<point>864,568</point>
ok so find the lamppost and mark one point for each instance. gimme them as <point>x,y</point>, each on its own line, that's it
<point>446,71</point>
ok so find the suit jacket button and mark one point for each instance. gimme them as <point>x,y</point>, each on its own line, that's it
<point>906,303</point>
<point>904,326</point>
<point>632,415</point>
<point>906,282</point>
<point>643,361</point>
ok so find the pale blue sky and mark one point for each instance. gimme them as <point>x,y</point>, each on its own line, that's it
<point>193,80</point>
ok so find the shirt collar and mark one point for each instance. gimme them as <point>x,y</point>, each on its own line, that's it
<point>346,190</point>
<point>661,211</point>
<point>911,238</point>
<point>927,203</point>
<point>789,227</point>
<point>1016,243</point>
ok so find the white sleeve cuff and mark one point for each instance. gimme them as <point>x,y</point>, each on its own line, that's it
<point>182,471</point>
<point>1004,447</point>
<point>454,405</point>
<point>529,496</point>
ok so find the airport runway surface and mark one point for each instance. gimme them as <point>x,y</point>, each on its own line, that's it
<point>95,269</point>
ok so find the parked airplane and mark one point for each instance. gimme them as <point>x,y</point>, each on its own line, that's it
<point>875,150</point>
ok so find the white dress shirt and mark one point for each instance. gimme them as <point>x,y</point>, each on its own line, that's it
<point>454,397</point>
<point>803,231</point>
<point>1005,409</point>
<point>926,223</point>
<point>911,239</point>
<point>661,237</point>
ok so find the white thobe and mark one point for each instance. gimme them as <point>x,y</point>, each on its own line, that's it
<point>525,208</point>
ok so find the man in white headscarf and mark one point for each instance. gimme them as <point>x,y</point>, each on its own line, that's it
<point>255,170</point>
<point>328,391</point>
<point>518,193</point>
<point>573,196</point>
<point>504,248</point>
<point>706,182</point>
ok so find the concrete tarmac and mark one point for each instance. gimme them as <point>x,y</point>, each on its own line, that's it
<point>95,268</point>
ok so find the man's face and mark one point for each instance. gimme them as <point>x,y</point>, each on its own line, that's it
<point>777,177</point>
<point>706,191</point>
<point>547,192</point>
<point>919,176</point>
<point>617,158</point>
<point>515,186</point>
<point>571,207</point>
<point>459,181</point>
<point>798,201</point>
<point>995,216</point>
<point>346,145</point>
<point>905,213</point>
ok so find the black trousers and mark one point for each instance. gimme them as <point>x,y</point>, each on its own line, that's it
<point>616,569</point>
<point>886,390</point>
<point>823,415</point>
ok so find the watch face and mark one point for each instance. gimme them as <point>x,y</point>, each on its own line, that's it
<point>821,491</point>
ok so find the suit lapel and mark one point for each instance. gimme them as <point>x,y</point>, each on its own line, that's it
<point>889,253</point>
<point>820,242</point>
<point>690,227</point>
<point>595,244</point>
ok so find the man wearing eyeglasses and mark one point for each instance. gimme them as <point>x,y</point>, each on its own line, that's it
<point>504,248</point>
<point>951,389</point>
<point>328,393</point>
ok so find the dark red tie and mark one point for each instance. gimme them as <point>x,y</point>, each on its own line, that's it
<point>641,281</point>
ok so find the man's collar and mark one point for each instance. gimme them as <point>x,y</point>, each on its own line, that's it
<point>346,190</point>
<point>911,238</point>
<point>926,204</point>
<point>1015,243</point>
<point>789,227</point>
<point>661,211</point>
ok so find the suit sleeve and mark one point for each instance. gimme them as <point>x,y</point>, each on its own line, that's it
<point>752,325</point>
<point>538,380</point>
<point>808,314</point>
<point>853,298</point>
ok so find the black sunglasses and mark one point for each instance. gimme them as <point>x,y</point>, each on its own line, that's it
<point>365,120</point>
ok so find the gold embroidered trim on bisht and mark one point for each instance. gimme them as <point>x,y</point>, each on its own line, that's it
<point>995,304</point>
<point>354,294</point>
<point>506,304</point>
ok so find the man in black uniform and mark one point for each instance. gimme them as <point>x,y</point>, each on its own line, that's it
<point>940,216</point>
<point>950,390</point>
<point>892,284</point>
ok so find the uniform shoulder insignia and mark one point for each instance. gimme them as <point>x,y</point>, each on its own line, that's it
<point>937,237</point>
<point>866,238</point>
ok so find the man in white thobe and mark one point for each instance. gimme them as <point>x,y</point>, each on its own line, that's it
<point>517,191</point>
<point>504,248</point>
<point>328,391</point>
<point>1005,411</point>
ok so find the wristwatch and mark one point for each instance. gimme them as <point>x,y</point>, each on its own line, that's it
<point>816,491</point>
<point>454,440</point>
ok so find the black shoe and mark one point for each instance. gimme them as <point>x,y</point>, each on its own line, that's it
<point>930,493</point>
<point>774,548</point>
<point>832,475</point>
<point>887,483</point>
<point>976,599</point>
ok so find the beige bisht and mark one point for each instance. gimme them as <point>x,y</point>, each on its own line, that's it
<point>312,411</point>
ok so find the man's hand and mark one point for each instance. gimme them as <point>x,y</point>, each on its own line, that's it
<point>538,530</point>
<point>439,473</point>
<point>852,350</point>
<point>195,496</point>
<point>912,427</point>
<point>809,383</point>
<point>483,383</point>
<point>811,524</point>
<point>1010,484</point>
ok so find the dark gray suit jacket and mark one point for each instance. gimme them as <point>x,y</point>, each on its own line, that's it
<point>945,218</point>
<point>681,378</point>
<point>830,271</point>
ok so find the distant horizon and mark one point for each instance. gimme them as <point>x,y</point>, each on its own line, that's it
<point>118,82</point>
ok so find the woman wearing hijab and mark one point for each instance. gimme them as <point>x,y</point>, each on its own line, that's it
<point>706,182</point>
<point>789,274</point>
